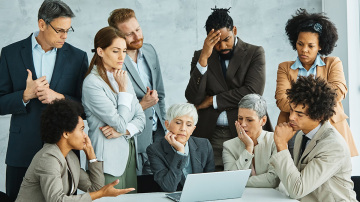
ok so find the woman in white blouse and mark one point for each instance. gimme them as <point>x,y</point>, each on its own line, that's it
<point>253,147</point>
<point>113,113</point>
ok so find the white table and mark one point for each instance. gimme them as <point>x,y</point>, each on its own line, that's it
<point>250,195</point>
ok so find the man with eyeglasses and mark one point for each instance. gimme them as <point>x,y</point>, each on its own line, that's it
<point>34,72</point>
<point>142,65</point>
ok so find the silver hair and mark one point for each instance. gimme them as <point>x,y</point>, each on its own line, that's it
<point>182,109</point>
<point>255,102</point>
<point>52,9</point>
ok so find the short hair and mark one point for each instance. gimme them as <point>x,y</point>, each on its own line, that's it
<point>302,21</point>
<point>182,109</point>
<point>119,16</point>
<point>218,19</point>
<point>254,102</point>
<point>315,93</point>
<point>59,117</point>
<point>52,9</point>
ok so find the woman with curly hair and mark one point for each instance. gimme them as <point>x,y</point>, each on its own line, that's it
<point>54,173</point>
<point>313,36</point>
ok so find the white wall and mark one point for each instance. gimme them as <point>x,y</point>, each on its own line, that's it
<point>175,28</point>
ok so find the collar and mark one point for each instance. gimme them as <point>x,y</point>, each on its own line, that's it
<point>261,136</point>
<point>35,44</point>
<point>312,133</point>
<point>318,62</point>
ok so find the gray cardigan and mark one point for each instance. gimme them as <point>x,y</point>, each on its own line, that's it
<point>102,108</point>
<point>47,178</point>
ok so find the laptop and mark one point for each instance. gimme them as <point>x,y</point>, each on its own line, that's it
<point>212,186</point>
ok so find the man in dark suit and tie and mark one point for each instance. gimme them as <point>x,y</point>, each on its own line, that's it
<point>143,67</point>
<point>34,72</point>
<point>223,72</point>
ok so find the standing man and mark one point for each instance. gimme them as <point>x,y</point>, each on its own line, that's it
<point>321,169</point>
<point>142,65</point>
<point>222,73</point>
<point>34,72</point>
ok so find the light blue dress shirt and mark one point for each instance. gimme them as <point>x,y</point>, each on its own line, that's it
<point>302,71</point>
<point>144,72</point>
<point>222,119</point>
<point>188,167</point>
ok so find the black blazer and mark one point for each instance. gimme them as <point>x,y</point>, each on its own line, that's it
<point>245,75</point>
<point>167,165</point>
<point>69,71</point>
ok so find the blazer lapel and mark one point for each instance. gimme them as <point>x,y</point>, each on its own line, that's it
<point>296,151</point>
<point>215,67</point>
<point>236,61</point>
<point>195,157</point>
<point>152,68</point>
<point>59,66</point>
<point>134,73</point>
<point>321,71</point>
<point>74,171</point>
<point>26,54</point>
<point>168,150</point>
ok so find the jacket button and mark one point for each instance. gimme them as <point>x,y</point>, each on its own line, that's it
<point>150,118</point>
<point>246,160</point>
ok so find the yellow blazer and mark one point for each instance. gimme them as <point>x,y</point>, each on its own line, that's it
<point>236,157</point>
<point>333,73</point>
<point>322,172</point>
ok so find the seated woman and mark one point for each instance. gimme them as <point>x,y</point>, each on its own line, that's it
<point>54,173</point>
<point>253,147</point>
<point>113,112</point>
<point>313,36</point>
<point>179,154</point>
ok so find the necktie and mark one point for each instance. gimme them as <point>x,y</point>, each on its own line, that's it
<point>303,144</point>
<point>223,67</point>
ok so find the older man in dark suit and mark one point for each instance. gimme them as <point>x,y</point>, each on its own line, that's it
<point>34,72</point>
<point>223,72</point>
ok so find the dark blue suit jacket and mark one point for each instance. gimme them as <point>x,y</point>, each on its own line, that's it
<point>69,71</point>
<point>167,165</point>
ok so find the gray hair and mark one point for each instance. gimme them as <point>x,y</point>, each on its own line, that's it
<point>182,109</point>
<point>255,102</point>
<point>52,9</point>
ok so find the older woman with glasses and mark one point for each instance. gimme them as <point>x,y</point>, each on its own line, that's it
<point>179,154</point>
<point>253,147</point>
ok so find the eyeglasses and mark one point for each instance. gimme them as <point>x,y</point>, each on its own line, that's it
<point>70,30</point>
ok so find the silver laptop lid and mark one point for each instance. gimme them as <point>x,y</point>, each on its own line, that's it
<point>215,186</point>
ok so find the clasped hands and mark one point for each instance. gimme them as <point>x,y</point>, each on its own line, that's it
<point>40,89</point>
<point>283,133</point>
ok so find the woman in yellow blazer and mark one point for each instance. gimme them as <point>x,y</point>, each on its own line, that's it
<point>253,147</point>
<point>313,35</point>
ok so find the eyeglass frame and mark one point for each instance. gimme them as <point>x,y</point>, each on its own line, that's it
<point>62,31</point>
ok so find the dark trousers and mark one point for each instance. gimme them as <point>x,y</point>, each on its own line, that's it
<point>14,178</point>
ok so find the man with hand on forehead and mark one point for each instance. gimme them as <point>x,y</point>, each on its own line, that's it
<point>34,72</point>
<point>222,73</point>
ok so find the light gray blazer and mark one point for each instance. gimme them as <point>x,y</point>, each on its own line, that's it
<point>236,157</point>
<point>47,177</point>
<point>101,108</point>
<point>322,173</point>
<point>145,139</point>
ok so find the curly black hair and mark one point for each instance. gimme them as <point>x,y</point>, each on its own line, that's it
<point>317,94</point>
<point>218,19</point>
<point>59,117</point>
<point>302,21</point>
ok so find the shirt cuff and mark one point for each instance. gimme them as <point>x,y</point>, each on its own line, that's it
<point>132,130</point>
<point>214,102</point>
<point>182,154</point>
<point>201,69</point>
<point>125,98</point>
<point>25,103</point>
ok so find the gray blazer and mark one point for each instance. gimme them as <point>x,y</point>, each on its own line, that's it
<point>322,173</point>
<point>146,138</point>
<point>101,108</point>
<point>236,157</point>
<point>47,178</point>
<point>167,165</point>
